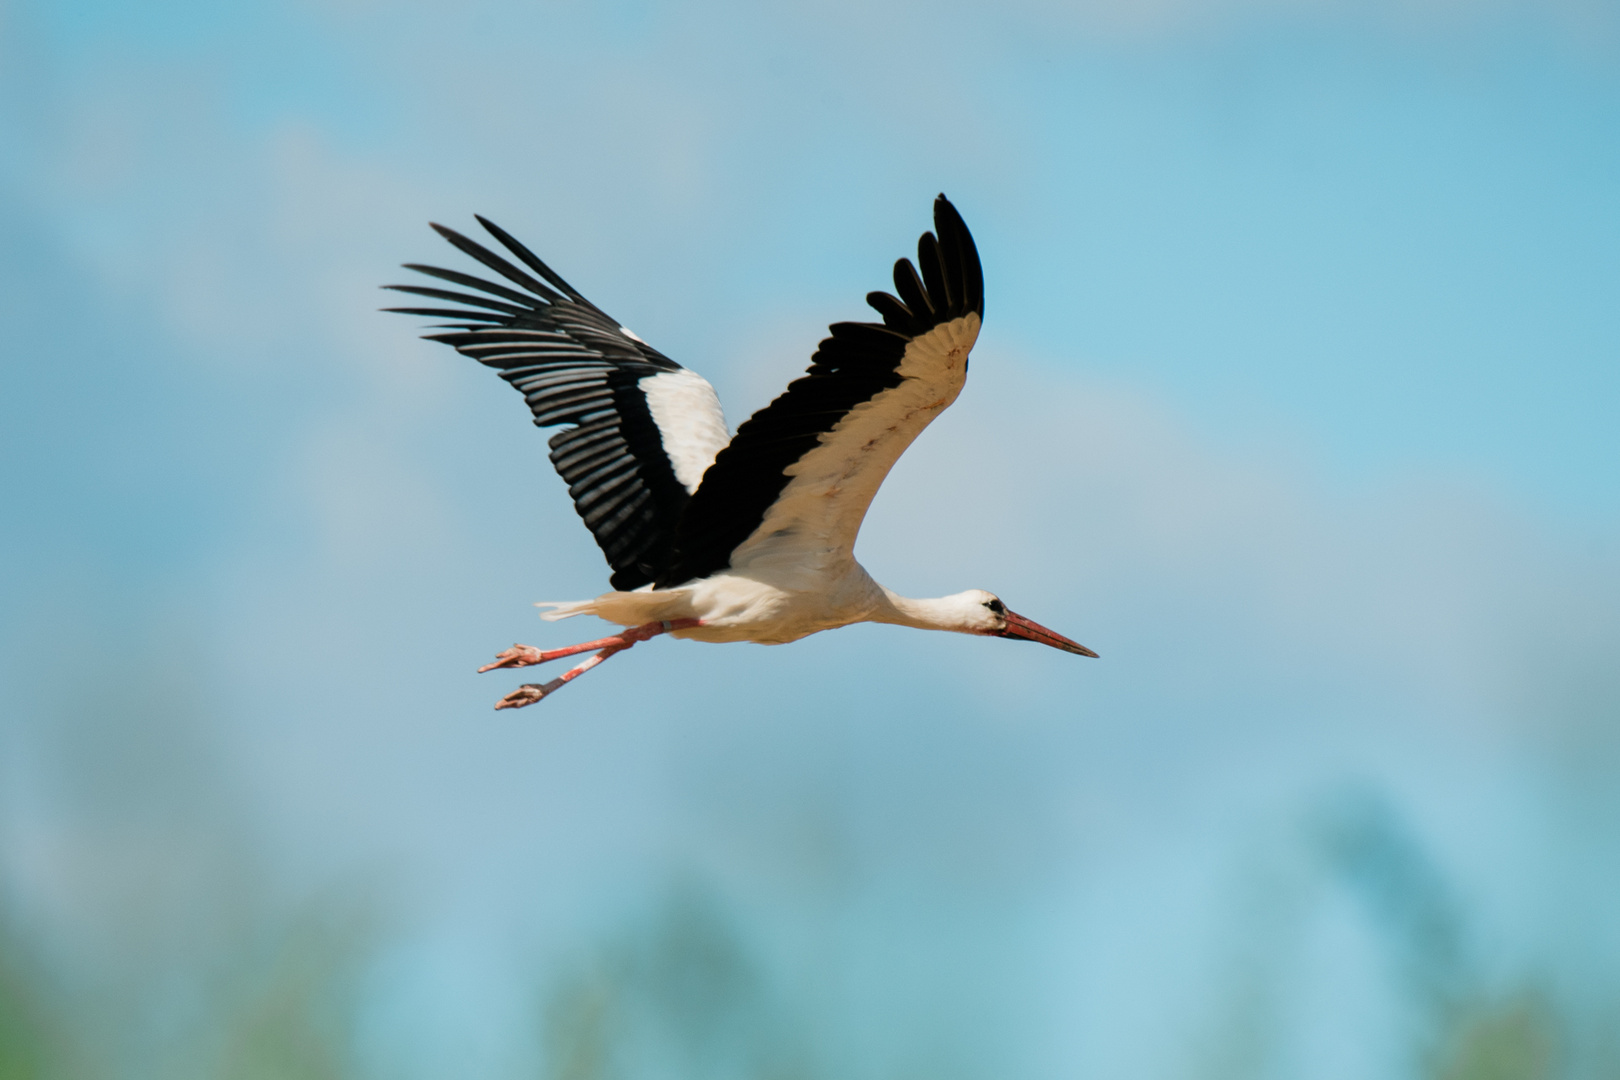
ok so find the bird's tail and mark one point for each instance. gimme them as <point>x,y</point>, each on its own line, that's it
<point>564,609</point>
<point>625,608</point>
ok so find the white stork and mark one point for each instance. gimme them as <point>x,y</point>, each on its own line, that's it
<point>728,538</point>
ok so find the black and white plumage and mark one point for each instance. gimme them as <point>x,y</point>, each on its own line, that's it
<point>745,538</point>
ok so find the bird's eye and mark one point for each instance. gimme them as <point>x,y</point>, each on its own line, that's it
<point>996,606</point>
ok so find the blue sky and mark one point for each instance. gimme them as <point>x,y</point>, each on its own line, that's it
<point>1294,400</point>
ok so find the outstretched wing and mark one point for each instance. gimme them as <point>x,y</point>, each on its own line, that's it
<point>639,430</point>
<point>793,486</point>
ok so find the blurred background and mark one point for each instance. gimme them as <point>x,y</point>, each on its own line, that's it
<point>1296,400</point>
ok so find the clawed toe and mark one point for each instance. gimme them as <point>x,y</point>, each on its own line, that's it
<point>516,656</point>
<point>527,694</point>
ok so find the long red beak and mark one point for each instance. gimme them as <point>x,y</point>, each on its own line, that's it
<point>1030,630</point>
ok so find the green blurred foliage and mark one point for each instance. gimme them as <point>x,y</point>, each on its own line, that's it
<point>1512,1040</point>
<point>1464,1032</point>
<point>146,945</point>
<point>32,1040</point>
<point>184,969</point>
<point>678,997</point>
<point>295,1020</point>
<point>288,1015</point>
<point>679,993</point>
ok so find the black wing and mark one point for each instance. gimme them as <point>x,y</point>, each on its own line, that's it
<point>906,370</point>
<point>576,367</point>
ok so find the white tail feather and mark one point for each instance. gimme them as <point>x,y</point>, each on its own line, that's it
<point>564,609</point>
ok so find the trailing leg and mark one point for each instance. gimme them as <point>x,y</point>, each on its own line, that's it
<point>528,655</point>
<point>529,693</point>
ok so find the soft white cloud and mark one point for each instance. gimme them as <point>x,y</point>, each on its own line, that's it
<point>1094,497</point>
<point>1155,18</point>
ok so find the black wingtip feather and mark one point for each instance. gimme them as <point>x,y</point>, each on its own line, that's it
<point>961,254</point>
<point>911,290</point>
<point>461,298</point>
<point>931,262</point>
<point>495,262</point>
<point>895,314</point>
<point>531,260</point>
<point>946,281</point>
<point>457,277</point>
<point>445,313</point>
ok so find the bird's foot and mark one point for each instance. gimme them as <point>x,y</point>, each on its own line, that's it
<point>516,656</point>
<point>528,655</point>
<point>527,694</point>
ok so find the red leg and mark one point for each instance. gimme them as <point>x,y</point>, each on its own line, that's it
<point>529,693</point>
<point>528,655</point>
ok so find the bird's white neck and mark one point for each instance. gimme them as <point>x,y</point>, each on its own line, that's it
<point>941,613</point>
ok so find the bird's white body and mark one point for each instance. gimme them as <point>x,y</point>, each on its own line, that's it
<point>736,606</point>
<point>774,609</point>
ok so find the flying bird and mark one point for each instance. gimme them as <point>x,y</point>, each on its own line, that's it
<point>711,536</point>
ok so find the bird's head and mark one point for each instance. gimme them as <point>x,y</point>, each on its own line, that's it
<point>983,613</point>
